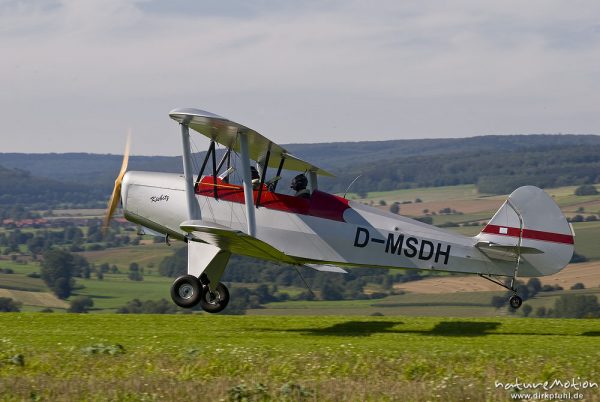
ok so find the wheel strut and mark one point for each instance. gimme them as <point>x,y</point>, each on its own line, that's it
<point>515,300</point>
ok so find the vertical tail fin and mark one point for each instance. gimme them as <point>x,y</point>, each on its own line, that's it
<point>530,223</point>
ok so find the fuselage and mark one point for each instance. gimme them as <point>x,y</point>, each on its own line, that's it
<point>324,229</point>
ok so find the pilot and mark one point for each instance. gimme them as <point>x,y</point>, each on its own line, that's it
<point>255,178</point>
<point>299,184</point>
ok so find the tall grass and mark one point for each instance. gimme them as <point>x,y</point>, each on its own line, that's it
<point>204,357</point>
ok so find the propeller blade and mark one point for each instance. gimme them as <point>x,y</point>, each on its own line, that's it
<point>116,194</point>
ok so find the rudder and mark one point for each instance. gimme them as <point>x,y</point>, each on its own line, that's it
<point>531,222</point>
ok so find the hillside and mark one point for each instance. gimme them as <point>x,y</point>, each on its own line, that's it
<point>495,164</point>
<point>21,187</point>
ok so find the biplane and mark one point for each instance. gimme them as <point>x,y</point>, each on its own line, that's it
<point>217,217</point>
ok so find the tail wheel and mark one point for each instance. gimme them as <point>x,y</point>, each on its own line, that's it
<point>515,301</point>
<point>186,291</point>
<point>216,300</point>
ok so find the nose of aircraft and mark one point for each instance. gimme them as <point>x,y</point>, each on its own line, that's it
<point>128,178</point>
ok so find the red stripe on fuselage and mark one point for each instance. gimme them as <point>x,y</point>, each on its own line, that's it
<point>530,234</point>
<point>320,204</point>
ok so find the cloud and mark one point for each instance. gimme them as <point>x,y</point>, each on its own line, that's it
<point>79,73</point>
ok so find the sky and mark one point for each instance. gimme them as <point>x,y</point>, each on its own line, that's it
<point>76,75</point>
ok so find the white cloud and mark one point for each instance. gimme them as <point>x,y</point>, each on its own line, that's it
<point>81,72</point>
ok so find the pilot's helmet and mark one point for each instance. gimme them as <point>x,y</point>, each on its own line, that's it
<point>299,182</point>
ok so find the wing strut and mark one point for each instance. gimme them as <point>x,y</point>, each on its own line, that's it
<point>193,207</point>
<point>263,174</point>
<point>248,192</point>
<point>223,159</point>
<point>281,162</point>
<point>211,153</point>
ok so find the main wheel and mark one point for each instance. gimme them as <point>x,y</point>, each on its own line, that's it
<point>216,300</point>
<point>515,301</point>
<point>186,291</point>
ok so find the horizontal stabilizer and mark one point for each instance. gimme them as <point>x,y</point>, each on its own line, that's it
<point>504,252</point>
<point>326,268</point>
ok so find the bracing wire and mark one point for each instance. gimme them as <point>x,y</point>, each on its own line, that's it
<point>304,280</point>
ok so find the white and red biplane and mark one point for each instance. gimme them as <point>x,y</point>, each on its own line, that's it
<point>528,236</point>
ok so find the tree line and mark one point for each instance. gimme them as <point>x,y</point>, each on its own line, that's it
<point>496,164</point>
<point>71,237</point>
<point>491,172</point>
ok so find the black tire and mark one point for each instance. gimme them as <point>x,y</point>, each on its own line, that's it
<point>515,301</point>
<point>186,291</point>
<point>216,301</point>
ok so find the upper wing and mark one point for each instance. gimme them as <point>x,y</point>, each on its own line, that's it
<point>225,132</point>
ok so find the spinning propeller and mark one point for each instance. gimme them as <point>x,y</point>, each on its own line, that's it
<point>116,194</point>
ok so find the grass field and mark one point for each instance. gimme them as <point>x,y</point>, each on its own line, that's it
<point>199,357</point>
<point>144,255</point>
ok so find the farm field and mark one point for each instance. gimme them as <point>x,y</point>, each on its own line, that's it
<point>468,201</point>
<point>116,290</point>
<point>200,357</point>
<point>587,273</point>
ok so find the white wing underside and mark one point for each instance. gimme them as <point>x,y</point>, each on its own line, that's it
<point>227,132</point>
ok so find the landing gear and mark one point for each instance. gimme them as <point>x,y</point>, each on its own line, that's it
<point>515,301</point>
<point>216,300</point>
<point>186,291</point>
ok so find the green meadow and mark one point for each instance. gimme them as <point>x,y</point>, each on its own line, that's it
<point>200,357</point>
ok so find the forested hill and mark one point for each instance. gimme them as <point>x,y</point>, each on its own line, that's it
<point>20,187</point>
<point>342,154</point>
<point>497,164</point>
<point>493,171</point>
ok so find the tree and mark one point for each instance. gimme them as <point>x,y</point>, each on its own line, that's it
<point>175,264</point>
<point>134,272</point>
<point>578,286</point>
<point>576,306</point>
<point>80,304</point>
<point>57,270</point>
<point>526,309</point>
<point>331,291</point>
<point>425,219</point>
<point>577,218</point>
<point>8,305</point>
<point>81,266</point>
<point>395,208</point>
<point>264,295</point>
<point>498,301</point>
<point>586,189</point>
<point>534,285</point>
<point>239,302</point>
